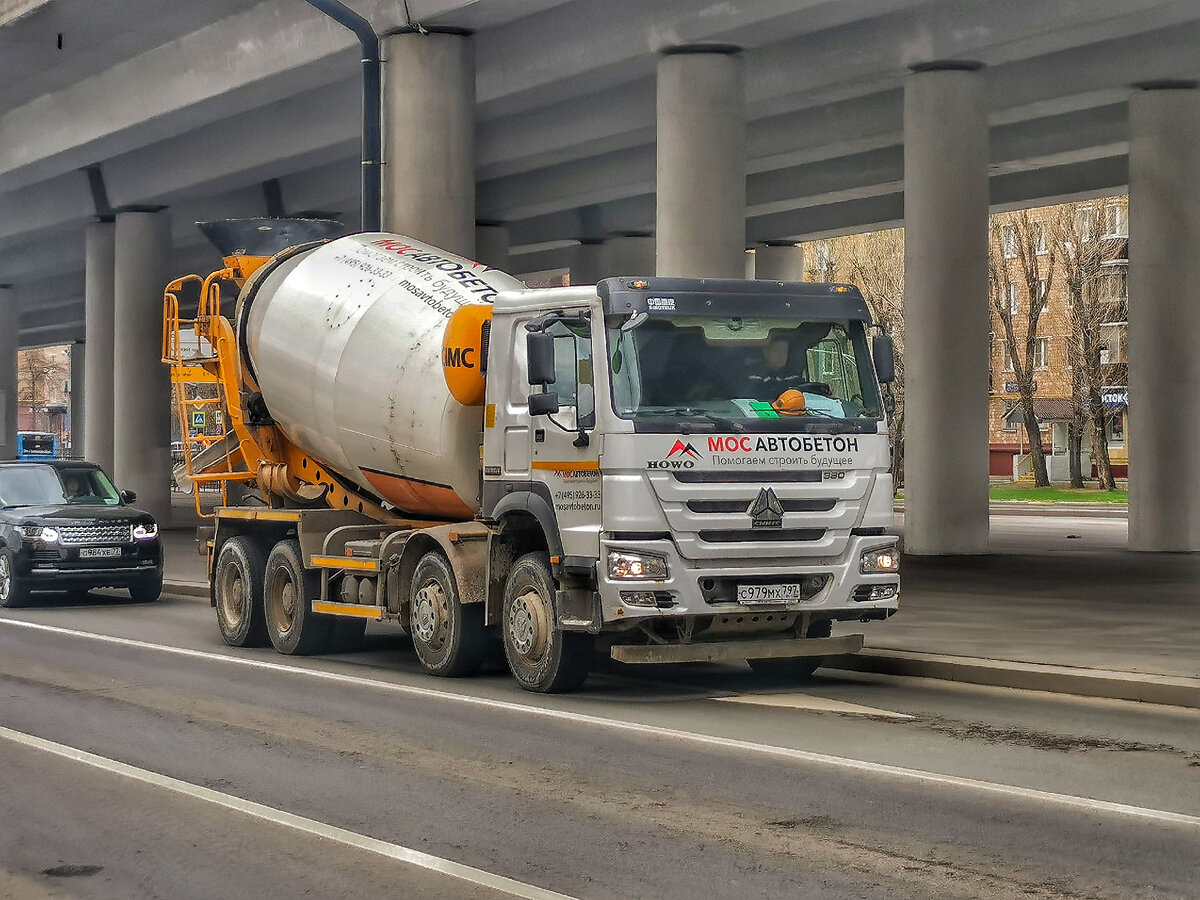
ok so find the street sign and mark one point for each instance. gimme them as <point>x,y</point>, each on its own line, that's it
<point>197,419</point>
<point>1115,398</point>
<point>1011,387</point>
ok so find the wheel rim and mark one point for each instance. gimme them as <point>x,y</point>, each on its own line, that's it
<point>5,578</point>
<point>233,596</point>
<point>281,600</point>
<point>430,614</point>
<point>529,625</point>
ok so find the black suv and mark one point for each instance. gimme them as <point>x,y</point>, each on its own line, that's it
<point>64,527</point>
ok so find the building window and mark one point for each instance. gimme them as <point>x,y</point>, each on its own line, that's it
<point>1041,353</point>
<point>1084,219</point>
<point>1008,241</point>
<point>1112,343</point>
<point>1008,365</point>
<point>1039,240</point>
<point>1116,223</point>
<point>1013,299</point>
<point>1116,429</point>
<point>1043,290</point>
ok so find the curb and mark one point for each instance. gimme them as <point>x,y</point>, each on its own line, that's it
<point>1163,689</point>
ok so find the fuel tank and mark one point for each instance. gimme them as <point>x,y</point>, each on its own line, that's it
<point>345,342</point>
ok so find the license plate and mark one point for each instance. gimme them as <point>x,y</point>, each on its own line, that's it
<point>99,552</point>
<point>769,593</point>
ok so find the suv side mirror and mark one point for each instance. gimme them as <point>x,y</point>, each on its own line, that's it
<point>543,404</point>
<point>884,353</point>
<point>128,497</point>
<point>539,347</point>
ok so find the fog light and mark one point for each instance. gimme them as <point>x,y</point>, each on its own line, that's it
<point>638,598</point>
<point>881,561</point>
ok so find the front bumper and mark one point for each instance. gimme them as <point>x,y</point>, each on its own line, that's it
<point>56,567</point>
<point>702,587</point>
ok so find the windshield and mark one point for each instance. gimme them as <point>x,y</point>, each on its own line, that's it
<point>50,486</point>
<point>747,369</point>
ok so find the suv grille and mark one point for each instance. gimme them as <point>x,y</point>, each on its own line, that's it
<point>95,533</point>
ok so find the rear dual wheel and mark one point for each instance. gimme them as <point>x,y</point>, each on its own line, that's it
<point>238,592</point>
<point>288,592</point>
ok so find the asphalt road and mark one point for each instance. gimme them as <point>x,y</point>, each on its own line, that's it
<point>143,758</point>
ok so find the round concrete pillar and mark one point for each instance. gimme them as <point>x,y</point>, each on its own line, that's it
<point>588,262</point>
<point>701,195</point>
<point>491,245</point>
<point>142,386</point>
<point>1164,318</point>
<point>9,331</point>
<point>78,397</point>
<point>946,311</point>
<point>429,139</point>
<point>779,262</point>
<point>98,312</point>
<point>630,254</point>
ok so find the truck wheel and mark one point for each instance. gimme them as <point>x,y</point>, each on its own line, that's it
<point>449,636</point>
<point>288,592</point>
<point>238,591</point>
<point>148,588</point>
<point>13,591</point>
<point>796,668</point>
<point>541,657</point>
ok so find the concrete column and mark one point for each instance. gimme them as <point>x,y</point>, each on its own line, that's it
<point>9,328</point>
<point>701,218</point>
<point>142,387</point>
<point>588,262</point>
<point>491,245</point>
<point>946,311</point>
<point>779,262</point>
<point>98,314</point>
<point>630,254</point>
<point>1164,318</point>
<point>429,139</point>
<point>78,397</point>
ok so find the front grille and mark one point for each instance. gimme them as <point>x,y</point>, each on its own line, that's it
<point>773,535</point>
<point>741,477</point>
<point>95,533</point>
<point>740,506</point>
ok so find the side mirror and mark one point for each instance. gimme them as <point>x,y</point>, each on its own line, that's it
<point>884,353</point>
<point>543,404</point>
<point>539,347</point>
<point>128,497</point>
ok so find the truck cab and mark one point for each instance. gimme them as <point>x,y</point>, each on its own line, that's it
<point>708,459</point>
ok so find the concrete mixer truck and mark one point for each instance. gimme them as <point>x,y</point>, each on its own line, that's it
<point>654,469</point>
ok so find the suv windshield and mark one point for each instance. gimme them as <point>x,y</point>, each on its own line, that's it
<point>734,368</point>
<point>52,486</point>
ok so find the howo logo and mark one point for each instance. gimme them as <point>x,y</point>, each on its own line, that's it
<point>681,456</point>
<point>765,510</point>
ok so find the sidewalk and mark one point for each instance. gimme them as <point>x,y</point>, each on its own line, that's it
<point>1057,605</point>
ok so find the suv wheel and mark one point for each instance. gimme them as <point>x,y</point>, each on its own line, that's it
<point>13,591</point>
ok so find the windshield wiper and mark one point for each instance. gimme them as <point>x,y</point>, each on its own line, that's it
<point>719,421</point>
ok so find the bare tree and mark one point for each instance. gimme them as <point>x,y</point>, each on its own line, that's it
<point>874,261</point>
<point>1014,275</point>
<point>1093,301</point>
<point>37,370</point>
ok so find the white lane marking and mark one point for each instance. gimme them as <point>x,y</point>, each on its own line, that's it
<point>812,702</point>
<point>707,740</point>
<point>290,820</point>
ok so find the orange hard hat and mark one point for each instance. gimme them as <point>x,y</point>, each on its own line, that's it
<point>790,403</point>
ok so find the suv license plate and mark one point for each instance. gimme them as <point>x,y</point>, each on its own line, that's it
<point>769,593</point>
<point>99,552</point>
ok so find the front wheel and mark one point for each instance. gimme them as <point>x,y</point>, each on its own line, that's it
<point>796,668</point>
<point>13,590</point>
<point>148,588</point>
<point>541,656</point>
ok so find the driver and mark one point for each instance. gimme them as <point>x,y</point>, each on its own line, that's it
<point>775,376</point>
<point>72,487</point>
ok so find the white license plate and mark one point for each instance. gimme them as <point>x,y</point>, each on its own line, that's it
<point>768,593</point>
<point>99,552</point>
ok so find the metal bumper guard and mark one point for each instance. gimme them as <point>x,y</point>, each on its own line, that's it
<point>727,651</point>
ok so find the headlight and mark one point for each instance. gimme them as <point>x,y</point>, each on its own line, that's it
<point>884,561</point>
<point>645,566</point>
<point>145,532</point>
<point>43,533</point>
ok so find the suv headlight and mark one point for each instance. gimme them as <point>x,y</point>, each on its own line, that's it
<point>43,533</point>
<point>145,532</point>
<point>624,564</point>
<point>884,561</point>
